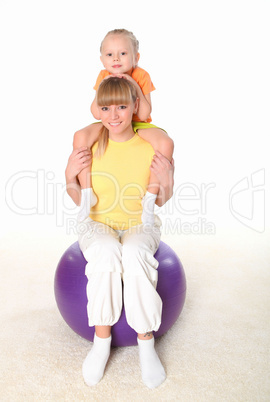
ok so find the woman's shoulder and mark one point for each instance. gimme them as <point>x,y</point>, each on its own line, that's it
<point>143,145</point>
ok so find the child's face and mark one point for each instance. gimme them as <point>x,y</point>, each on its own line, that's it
<point>117,55</point>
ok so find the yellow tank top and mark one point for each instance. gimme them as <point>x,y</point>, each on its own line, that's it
<point>119,179</point>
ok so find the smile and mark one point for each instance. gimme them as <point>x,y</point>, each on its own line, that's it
<point>114,124</point>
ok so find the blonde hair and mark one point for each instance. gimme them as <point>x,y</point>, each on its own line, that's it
<point>113,91</point>
<point>129,35</point>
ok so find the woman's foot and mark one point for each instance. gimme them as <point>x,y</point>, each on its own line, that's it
<point>96,360</point>
<point>153,373</point>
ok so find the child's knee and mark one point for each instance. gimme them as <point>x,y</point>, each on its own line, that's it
<point>80,139</point>
<point>86,136</point>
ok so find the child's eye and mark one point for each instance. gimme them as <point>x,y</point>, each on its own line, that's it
<point>104,108</point>
<point>109,54</point>
<point>122,107</point>
<point>123,53</point>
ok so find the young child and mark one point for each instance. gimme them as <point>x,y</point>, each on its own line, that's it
<point>120,55</point>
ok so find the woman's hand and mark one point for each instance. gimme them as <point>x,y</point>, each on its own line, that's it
<point>162,168</point>
<point>79,159</point>
<point>164,171</point>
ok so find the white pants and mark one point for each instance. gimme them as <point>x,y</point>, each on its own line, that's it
<point>113,256</point>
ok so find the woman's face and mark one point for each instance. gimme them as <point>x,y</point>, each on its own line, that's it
<point>117,118</point>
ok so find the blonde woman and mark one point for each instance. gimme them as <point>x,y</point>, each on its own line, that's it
<point>118,248</point>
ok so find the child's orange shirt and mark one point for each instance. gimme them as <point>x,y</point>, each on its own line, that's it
<point>140,76</point>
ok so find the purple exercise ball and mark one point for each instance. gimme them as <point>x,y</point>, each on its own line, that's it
<point>70,294</point>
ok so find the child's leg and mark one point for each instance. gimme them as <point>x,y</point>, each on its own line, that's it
<point>86,137</point>
<point>161,142</point>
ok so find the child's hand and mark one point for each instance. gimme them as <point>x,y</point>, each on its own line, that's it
<point>78,160</point>
<point>109,76</point>
<point>126,77</point>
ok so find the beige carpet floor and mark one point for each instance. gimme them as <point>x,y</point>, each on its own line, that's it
<point>218,350</point>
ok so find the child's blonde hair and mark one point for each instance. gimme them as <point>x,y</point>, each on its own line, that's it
<point>113,91</point>
<point>128,34</point>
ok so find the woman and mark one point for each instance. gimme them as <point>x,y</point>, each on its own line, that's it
<point>113,239</point>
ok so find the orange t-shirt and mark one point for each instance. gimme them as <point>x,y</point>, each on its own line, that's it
<point>140,76</point>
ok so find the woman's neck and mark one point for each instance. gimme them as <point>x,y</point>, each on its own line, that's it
<point>121,137</point>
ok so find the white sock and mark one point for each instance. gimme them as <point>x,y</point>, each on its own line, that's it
<point>153,373</point>
<point>148,204</point>
<point>88,200</point>
<point>96,360</point>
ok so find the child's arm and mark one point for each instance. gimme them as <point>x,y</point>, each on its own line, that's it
<point>78,160</point>
<point>95,109</point>
<point>145,104</point>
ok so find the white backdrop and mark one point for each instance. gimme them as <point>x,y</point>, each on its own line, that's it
<point>210,63</point>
